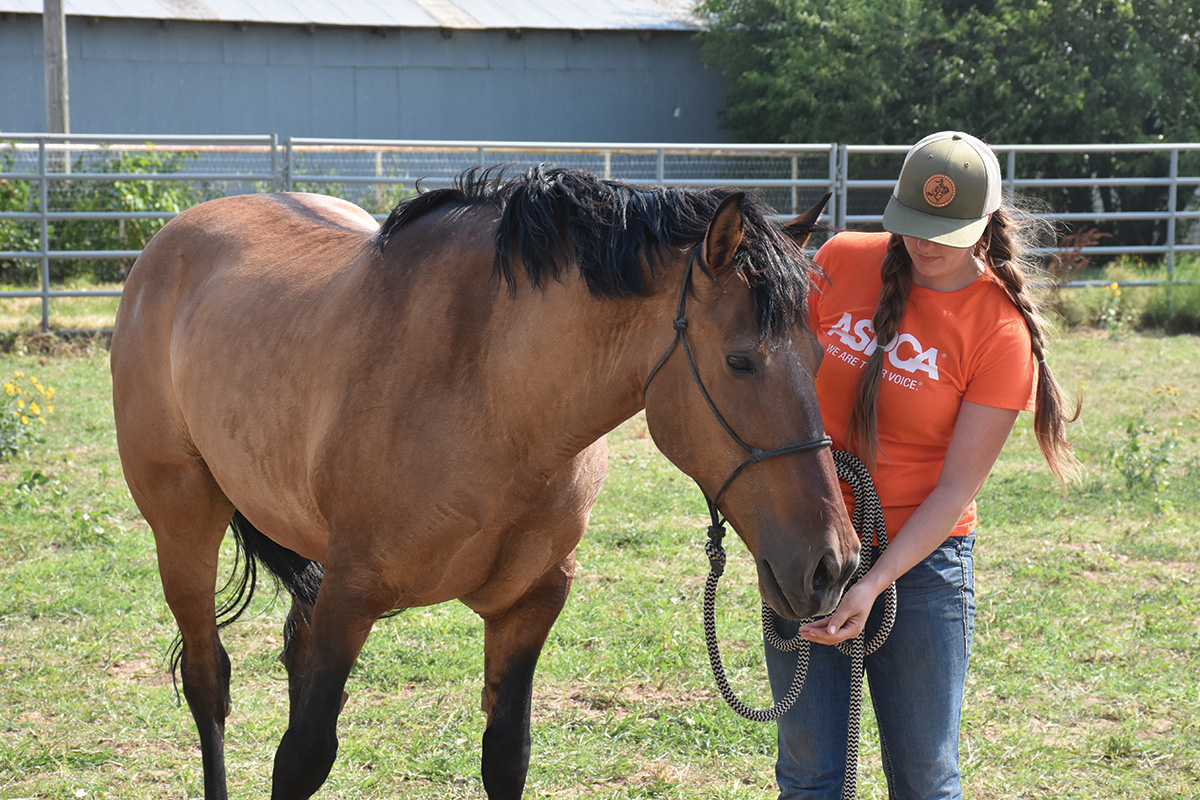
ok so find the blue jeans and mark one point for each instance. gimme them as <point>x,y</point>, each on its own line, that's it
<point>916,678</point>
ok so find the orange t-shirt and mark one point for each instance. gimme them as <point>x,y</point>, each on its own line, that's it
<point>971,344</point>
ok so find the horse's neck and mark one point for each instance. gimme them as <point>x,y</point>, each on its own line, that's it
<point>577,364</point>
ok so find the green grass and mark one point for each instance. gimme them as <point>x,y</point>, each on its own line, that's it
<point>66,313</point>
<point>1085,679</point>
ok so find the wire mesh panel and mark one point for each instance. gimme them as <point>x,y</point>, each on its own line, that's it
<point>75,210</point>
<point>377,174</point>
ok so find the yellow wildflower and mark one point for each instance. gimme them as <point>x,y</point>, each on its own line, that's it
<point>24,420</point>
<point>35,409</point>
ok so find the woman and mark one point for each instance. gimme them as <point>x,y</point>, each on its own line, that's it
<point>933,345</point>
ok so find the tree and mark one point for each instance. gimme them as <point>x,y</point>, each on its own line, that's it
<point>890,71</point>
<point>1008,71</point>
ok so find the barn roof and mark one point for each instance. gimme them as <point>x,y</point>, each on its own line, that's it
<point>580,15</point>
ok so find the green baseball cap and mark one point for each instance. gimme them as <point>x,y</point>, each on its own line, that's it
<point>948,188</point>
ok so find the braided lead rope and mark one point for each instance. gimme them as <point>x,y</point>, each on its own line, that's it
<point>868,521</point>
<point>716,558</point>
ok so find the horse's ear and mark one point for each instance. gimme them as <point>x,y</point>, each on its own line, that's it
<point>724,234</point>
<point>802,226</point>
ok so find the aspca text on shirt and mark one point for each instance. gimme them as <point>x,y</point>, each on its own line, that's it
<point>905,355</point>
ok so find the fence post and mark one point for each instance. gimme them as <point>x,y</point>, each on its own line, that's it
<point>285,173</point>
<point>833,182</point>
<point>279,182</point>
<point>795,188</point>
<point>44,229</point>
<point>1010,165</point>
<point>841,178</point>
<point>1172,200</point>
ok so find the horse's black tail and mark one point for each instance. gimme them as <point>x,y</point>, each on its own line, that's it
<point>299,575</point>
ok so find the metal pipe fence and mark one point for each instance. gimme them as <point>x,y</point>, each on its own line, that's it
<point>86,203</point>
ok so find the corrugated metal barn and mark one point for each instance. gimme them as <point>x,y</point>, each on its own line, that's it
<point>508,70</point>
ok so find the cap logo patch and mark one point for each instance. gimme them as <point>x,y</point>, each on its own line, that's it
<point>939,190</point>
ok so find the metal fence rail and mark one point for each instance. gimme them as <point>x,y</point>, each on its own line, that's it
<point>1178,185</point>
<point>1149,193</point>
<point>222,165</point>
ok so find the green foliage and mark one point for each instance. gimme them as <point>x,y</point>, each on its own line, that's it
<point>15,235</point>
<point>1010,71</point>
<point>117,195</point>
<point>1120,310</point>
<point>891,71</point>
<point>1142,456</point>
<point>1115,314</point>
<point>1176,310</point>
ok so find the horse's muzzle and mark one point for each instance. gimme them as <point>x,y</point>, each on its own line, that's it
<point>817,594</point>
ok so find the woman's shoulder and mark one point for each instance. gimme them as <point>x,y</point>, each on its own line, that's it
<point>992,291</point>
<point>855,244</point>
<point>988,315</point>
<point>849,250</point>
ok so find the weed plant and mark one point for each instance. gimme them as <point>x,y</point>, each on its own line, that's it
<point>1119,309</point>
<point>1085,679</point>
<point>24,406</point>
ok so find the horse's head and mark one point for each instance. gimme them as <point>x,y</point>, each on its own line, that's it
<point>737,384</point>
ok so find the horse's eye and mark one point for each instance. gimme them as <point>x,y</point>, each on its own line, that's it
<point>742,365</point>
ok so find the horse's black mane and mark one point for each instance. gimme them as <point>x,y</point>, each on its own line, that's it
<point>548,214</point>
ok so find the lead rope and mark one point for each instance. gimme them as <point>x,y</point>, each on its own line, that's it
<point>869,523</point>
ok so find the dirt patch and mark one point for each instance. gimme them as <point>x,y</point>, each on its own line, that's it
<point>594,703</point>
<point>139,670</point>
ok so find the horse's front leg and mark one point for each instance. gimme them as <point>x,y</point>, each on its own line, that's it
<point>513,641</point>
<point>319,659</point>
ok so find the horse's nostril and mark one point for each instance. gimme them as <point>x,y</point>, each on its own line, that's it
<point>827,573</point>
<point>849,569</point>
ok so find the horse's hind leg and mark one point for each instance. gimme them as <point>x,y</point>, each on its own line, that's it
<point>319,661</point>
<point>188,515</point>
<point>297,631</point>
<point>513,642</point>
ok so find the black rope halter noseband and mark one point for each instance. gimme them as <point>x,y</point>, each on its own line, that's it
<point>754,454</point>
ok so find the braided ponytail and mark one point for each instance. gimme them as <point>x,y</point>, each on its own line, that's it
<point>862,435</point>
<point>1005,247</point>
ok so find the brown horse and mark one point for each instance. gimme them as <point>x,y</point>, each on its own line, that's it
<point>411,413</point>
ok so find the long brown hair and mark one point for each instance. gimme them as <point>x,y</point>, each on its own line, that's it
<point>1004,248</point>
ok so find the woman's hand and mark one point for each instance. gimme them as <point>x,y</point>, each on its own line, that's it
<point>847,621</point>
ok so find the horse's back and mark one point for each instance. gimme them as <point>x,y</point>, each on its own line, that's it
<point>235,233</point>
